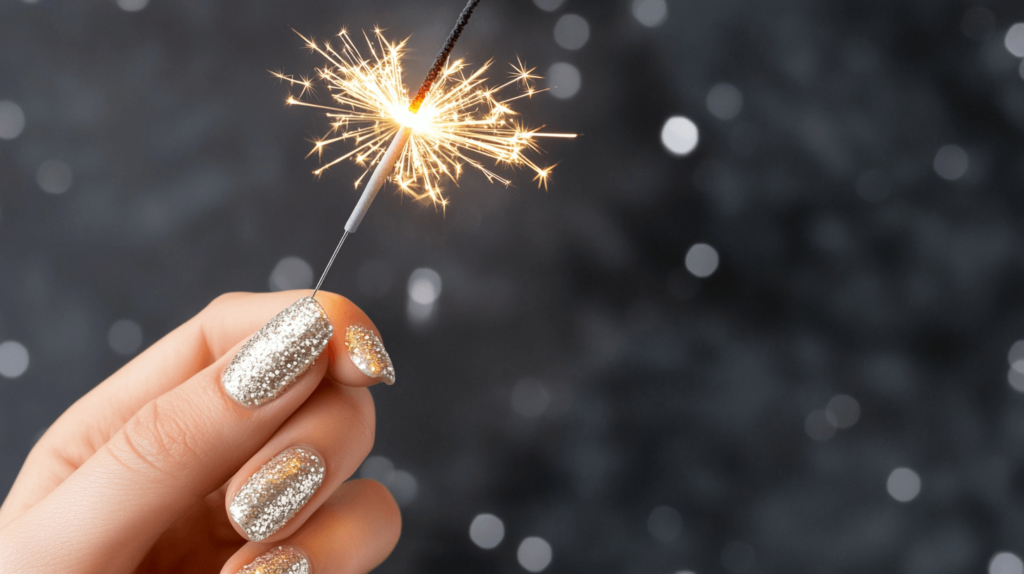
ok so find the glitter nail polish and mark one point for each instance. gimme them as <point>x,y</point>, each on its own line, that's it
<point>278,353</point>
<point>276,492</point>
<point>368,354</point>
<point>280,560</point>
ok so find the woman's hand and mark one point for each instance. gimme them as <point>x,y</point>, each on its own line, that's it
<point>181,463</point>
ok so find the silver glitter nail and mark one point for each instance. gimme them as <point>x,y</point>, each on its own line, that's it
<point>278,353</point>
<point>276,492</point>
<point>368,354</point>
<point>280,560</point>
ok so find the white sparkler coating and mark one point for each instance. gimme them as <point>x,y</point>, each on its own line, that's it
<point>380,175</point>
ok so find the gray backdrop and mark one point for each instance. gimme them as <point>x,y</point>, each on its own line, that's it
<point>575,378</point>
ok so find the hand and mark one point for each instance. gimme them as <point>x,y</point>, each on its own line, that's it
<point>136,476</point>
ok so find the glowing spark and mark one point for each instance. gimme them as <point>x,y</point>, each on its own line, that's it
<point>460,122</point>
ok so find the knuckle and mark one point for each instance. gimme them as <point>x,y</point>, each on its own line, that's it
<point>210,316</point>
<point>157,438</point>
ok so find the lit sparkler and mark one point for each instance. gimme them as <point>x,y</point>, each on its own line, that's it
<point>455,121</point>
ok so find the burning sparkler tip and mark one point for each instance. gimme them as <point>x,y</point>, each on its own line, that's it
<point>454,119</point>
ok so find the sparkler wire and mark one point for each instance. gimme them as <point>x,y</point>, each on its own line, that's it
<point>329,263</point>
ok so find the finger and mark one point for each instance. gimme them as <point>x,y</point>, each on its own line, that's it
<point>97,416</point>
<point>177,449</point>
<point>319,447</point>
<point>223,324</point>
<point>352,533</point>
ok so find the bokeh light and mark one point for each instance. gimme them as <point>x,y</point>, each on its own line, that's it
<point>530,398</point>
<point>132,5</point>
<point>487,531</point>
<point>401,483</point>
<point>534,554</point>
<point>12,120</point>
<point>1015,375</point>
<point>54,176</point>
<point>549,5</point>
<point>403,487</point>
<point>564,80</point>
<point>679,135</point>
<point>843,411</point>
<point>125,337</point>
<point>702,260</point>
<point>13,359</point>
<point>291,273</point>
<point>424,286</point>
<point>1016,352</point>
<point>665,523</point>
<point>377,467</point>
<point>572,31</point>
<point>903,484</point>
<point>1014,40</point>
<point>950,162</point>
<point>724,101</point>
<point>1005,563</point>
<point>650,13</point>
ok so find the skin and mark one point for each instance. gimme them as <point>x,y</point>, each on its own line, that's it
<point>136,476</point>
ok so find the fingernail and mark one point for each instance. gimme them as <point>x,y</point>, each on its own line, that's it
<point>368,354</point>
<point>280,560</point>
<point>278,353</point>
<point>276,492</point>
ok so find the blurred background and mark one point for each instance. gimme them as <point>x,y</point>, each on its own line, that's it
<point>764,321</point>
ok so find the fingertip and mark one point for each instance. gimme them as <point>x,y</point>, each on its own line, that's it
<point>384,501</point>
<point>344,372</point>
<point>368,497</point>
<point>358,358</point>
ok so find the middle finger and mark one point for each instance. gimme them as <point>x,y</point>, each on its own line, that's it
<point>321,445</point>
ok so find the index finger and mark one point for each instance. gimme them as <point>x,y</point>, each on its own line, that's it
<point>195,345</point>
<point>198,343</point>
<point>221,330</point>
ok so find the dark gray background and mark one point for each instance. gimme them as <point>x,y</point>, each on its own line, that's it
<point>189,180</point>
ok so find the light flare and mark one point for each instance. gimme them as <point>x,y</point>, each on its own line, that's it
<point>461,122</point>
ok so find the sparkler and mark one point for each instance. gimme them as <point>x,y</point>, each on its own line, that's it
<point>453,122</point>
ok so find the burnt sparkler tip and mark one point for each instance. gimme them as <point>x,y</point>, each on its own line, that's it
<point>442,56</point>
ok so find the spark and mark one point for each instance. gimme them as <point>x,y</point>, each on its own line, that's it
<point>461,123</point>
